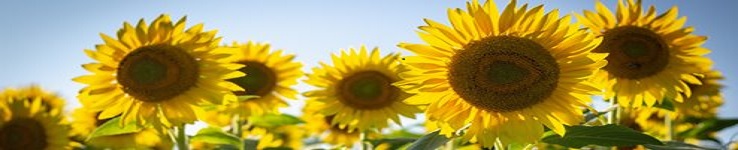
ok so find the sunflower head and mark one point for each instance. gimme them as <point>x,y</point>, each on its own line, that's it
<point>50,101</point>
<point>157,73</point>
<point>357,90</point>
<point>270,75</point>
<point>705,99</point>
<point>26,122</point>
<point>651,56</point>
<point>504,75</point>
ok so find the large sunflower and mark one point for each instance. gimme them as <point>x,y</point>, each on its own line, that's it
<point>358,92</point>
<point>26,123</point>
<point>651,57</point>
<point>85,121</point>
<point>269,76</point>
<point>157,74</point>
<point>505,75</point>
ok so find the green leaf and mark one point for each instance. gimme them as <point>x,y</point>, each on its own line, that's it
<point>607,135</point>
<point>403,133</point>
<point>250,144</point>
<point>113,127</point>
<point>274,120</point>
<point>247,97</point>
<point>707,127</point>
<point>395,143</point>
<point>429,141</point>
<point>216,136</point>
<point>674,145</point>
<point>665,104</point>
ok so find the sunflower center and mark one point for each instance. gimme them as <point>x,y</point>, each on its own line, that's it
<point>157,73</point>
<point>259,80</point>
<point>367,90</point>
<point>23,133</point>
<point>503,73</point>
<point>635,52</point>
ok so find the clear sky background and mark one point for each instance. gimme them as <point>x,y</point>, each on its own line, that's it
<point>42,42</point>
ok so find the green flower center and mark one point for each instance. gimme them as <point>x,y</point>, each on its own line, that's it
<point>157,73</point>
<point>634,52</point>
<point>23,133</point>
<point>367,90</point>
<point>503,73</point>
<point>259,80</point>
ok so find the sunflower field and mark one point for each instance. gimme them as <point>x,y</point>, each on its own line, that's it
<point>621,74</point>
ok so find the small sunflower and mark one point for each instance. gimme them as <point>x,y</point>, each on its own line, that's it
<point>49,101</point>
<point>703,104</point>
<point>269,76</point>
<point>651,57</point>
<point>321,125</point>
<point>283,136</point>
<point>26,123</point>
<point>705,99</point>
<point>357,90</point>
<point>86,121</point>
<point>158,73</point>
<point>505,75</point>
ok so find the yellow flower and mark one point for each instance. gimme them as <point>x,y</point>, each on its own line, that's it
<point>358,92</point>
<point>27,123</point>
<point>157,74</point>
<point>269,76</point>
<point>50,101</point>
<point>705,99</point>
<point>505,75</point>
<point>703,104</point>
<point>85,122</point>
<point>320,125</point>
<point>651,57</point>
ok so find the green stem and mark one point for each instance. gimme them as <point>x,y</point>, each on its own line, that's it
<point>614,115</point>
<point>181,138</point>
<point>236,125</point>
<point>669,126</point>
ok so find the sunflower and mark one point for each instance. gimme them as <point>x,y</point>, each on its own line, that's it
<point>50,101</point>
<point>322,126</point>
<point>157,74</point>
<point>269,76</point>
<point>651,57</point>
<point>703,104</point>
<point>85,122</point>
<point>26,123</point>
<point>357,90</point>
<point>705,99</point>
<point>504,75</point>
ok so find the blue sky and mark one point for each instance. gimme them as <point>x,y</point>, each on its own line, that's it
<point>42,42</point>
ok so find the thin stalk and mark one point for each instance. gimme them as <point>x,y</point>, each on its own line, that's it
<point>181,137</point>
<point>669,126</point>
<point>613,117</point>
<point>236,125</point>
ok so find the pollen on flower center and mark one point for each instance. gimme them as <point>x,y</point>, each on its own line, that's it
<point>259,80</point>
<point>23,133</point>
<point>503,73</point>
<point>634,52</point>
<point>367,90</point>
<point>157,73</point>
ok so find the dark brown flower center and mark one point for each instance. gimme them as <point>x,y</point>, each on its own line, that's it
<point>503,73</point>
<point>260,80</point>
<point>367,90</point>
<point>23,133</point>
<point>157,73</point>
<point>634,52</point>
